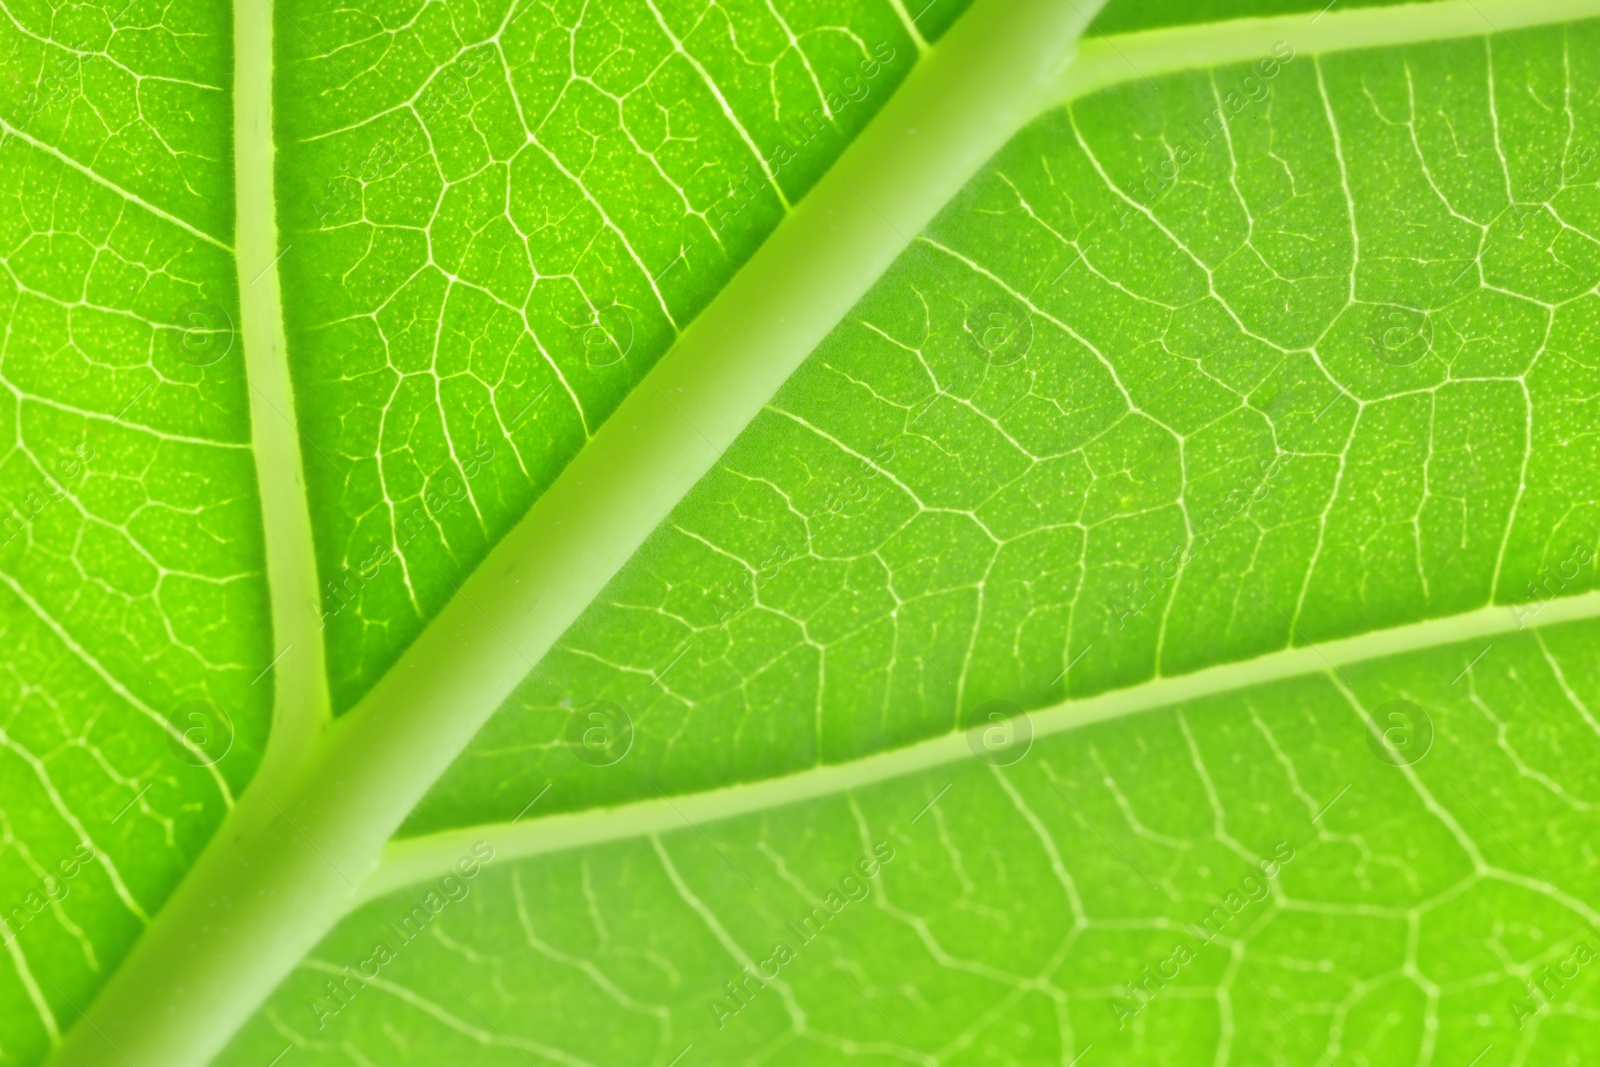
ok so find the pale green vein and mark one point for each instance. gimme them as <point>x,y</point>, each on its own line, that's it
<point>301,707</point>
<point>30,984</point>
<point>1107,61</point>
<point>421,858</point>
<point>910,25</point>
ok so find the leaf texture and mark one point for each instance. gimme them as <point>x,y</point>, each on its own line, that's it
<point>1156,625</point>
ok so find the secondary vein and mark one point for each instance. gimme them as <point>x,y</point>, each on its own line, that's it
<point>301,708</point>
<point>1102,62</point>
<point>422,858</point>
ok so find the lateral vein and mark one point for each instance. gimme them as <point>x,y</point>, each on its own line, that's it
<point>418,859</point>
<point>1102,62</point>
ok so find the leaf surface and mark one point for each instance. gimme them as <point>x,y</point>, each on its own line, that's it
<point>1156,623</point>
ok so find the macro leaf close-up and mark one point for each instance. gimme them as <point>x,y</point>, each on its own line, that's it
<point>695,533</point>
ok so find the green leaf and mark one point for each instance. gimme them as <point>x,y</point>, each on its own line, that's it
<point>802,533</point>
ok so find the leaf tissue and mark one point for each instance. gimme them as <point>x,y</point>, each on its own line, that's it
<point>717,532</point>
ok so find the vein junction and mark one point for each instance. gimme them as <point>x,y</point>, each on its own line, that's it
<point>1224,405</point>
